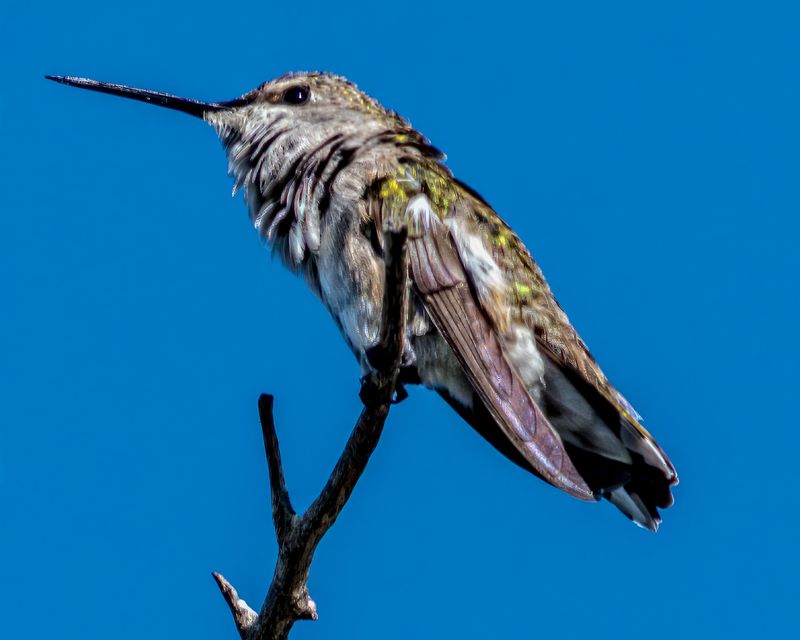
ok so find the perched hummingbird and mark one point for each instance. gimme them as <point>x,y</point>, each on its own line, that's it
<point>322,165</point>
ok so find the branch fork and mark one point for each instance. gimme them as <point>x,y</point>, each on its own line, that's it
<point>288,599</point>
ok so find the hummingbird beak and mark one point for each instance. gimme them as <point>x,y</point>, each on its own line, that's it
<point>187,105</point>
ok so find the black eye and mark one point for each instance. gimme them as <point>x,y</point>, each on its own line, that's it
<point>296,95</point>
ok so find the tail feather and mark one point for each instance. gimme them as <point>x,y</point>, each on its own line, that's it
<point>638,482</point>
<point>634,507</point>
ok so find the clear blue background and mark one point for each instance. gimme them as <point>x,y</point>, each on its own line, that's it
<point>649,158</point>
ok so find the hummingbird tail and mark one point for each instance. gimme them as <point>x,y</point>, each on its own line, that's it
<point>633,506</point>
<point>618,461</point>
<point>636,488</point>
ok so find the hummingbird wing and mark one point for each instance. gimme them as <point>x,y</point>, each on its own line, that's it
<point>491,303</point>
<point>443,285</point>
<point>601,431</point>
<point>531,301</point>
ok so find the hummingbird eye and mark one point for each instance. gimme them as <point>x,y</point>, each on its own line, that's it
<point>296,95</point>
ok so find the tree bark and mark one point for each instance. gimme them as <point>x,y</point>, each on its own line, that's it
<point>287,598</point>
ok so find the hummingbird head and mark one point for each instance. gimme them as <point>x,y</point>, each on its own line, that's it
<point>289,138</point>
<point>309,102</point>
<point>298,109</point>
<point>271,130</point>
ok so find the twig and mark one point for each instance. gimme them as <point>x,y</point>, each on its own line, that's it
<point>282,512</point>
<point>243,615</point>
<point>288,599</point>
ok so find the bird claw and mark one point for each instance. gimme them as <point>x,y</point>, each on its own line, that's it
<point>370,392</point>
<point>400,394</point>
<point>378,358</point>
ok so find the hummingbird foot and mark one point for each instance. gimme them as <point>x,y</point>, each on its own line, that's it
<point>400,394</point>
<point>370,392</point>
<point>407,374</point>
<point>376,357</point>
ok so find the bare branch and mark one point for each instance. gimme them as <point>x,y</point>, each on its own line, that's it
<point>385,355</point>
<point>393,316</point>
<point>243,615</point>
<point>282,511</point>
<point>288,599</point>
<point>381,384</point>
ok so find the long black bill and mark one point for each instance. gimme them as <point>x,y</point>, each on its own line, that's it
<point>187,105</point>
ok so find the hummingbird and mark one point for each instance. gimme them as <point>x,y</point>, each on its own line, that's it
<point>322,166</point>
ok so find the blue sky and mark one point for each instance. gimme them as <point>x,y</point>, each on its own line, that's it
<point>647,155</point>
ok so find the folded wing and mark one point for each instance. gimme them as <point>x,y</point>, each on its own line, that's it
<point>441,282</point>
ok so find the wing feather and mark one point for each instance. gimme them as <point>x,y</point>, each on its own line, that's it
<point>534,302</point>
<point>441,281</point>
